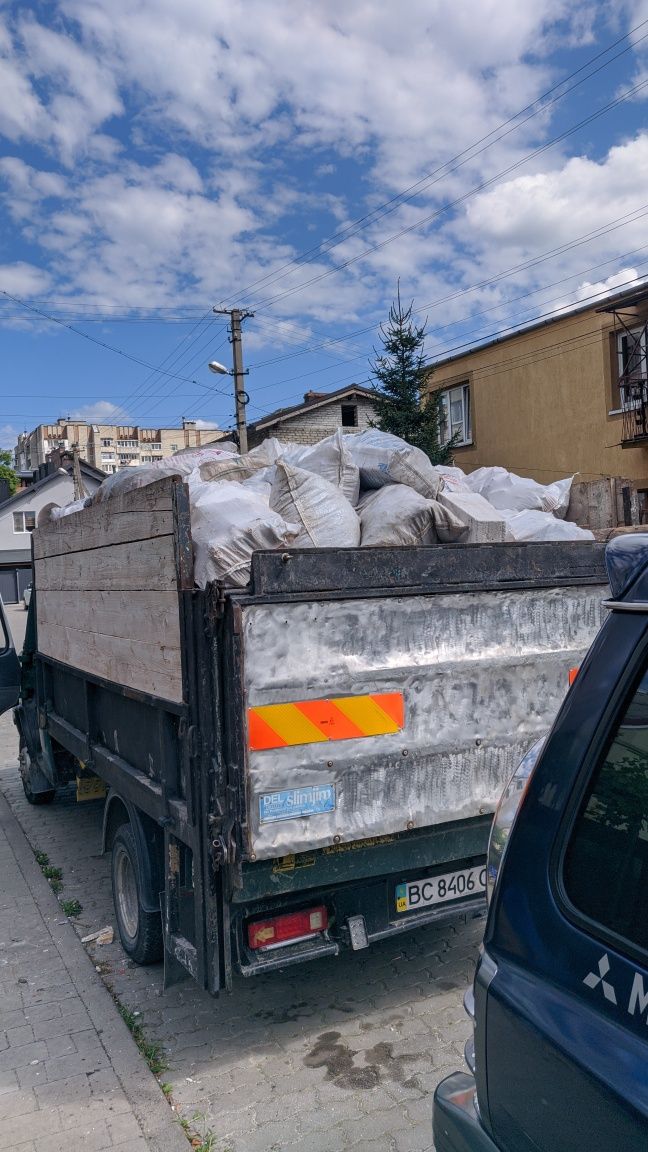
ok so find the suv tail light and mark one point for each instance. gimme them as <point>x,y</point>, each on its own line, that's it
<point>288,928</point>
<point>506,812</point>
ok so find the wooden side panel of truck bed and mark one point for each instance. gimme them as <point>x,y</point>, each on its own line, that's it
<point>107,580</point>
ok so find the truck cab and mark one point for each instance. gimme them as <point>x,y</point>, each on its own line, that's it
<point>559,1054</point>
<point>9,666</point>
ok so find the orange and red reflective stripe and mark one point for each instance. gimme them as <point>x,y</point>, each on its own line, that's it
<point>318,721</point>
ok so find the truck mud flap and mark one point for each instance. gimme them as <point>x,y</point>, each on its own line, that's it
<point>180,955</point>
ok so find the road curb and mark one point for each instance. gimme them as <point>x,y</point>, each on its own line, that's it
<point>140,1087</point>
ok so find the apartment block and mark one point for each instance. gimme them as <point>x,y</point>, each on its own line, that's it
<point>109,447</point>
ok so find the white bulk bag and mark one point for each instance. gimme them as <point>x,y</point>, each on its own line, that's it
<point>233,468</point>
<point>127,480</point>
<point>386,459</point>
<point>330,458</point>
<point>325,516</point>
<point>411,466</point>
<point>395,515</point>
<point>533,525</point>
<point>229,523</point>
<point>506,490</point>
<point>454,479</point>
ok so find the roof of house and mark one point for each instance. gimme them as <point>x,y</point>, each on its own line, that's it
<point>311,401</point>
<point>27,493</point>
<point>610,303</point>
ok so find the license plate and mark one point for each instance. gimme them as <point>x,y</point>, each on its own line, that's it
<point>439,889</point>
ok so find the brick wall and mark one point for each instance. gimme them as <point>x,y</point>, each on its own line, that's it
<point>312,426</point>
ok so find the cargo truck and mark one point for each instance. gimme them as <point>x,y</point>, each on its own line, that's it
<point>304,765</point>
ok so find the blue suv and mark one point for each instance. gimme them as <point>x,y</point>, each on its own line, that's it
<point>559,1055</point>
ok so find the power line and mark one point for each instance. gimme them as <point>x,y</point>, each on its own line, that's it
<point>535,356</point>
<point>344,233</point>
<point>92,339</point>
<point>426,181</point>
<point>458,200</point>
<point>598,233</point>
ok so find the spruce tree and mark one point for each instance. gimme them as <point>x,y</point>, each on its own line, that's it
<point>399,373</point>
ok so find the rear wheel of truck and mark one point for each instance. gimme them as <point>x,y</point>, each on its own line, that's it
<point>140,931</point>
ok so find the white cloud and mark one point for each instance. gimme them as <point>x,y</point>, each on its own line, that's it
<point>21,113</point>
<point>181,149</point>
<point>626,278</point>
<point>542,208</point>
<point>100,412</point>
<point>207,424</point>
<point>84,92</point>
<point>22,279</point>
<point>8,436</point>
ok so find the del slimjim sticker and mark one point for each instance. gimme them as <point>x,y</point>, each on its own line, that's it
<point>312,800</point>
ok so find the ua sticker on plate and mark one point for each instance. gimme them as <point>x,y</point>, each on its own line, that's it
<point>292,802</point>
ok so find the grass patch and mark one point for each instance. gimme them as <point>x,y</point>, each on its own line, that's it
<point>167,1089</point>
<point>200,1137</point>
<point>71,907</point>
<point>53,875</point>
<point>55,878</point>
<point>152,1053</point>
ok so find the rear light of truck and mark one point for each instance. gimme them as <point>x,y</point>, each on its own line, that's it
<point>573,673</point>
<point>288,928</point>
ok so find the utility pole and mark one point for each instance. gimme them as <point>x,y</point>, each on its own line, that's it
<point>241,397</point>
<point>79,487</point>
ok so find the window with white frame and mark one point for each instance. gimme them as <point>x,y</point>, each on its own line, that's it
<point>455,415</point>
<point>24,521</point>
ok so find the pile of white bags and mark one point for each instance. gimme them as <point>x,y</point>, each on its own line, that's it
<point>532,511</point>
<point>370,489</point>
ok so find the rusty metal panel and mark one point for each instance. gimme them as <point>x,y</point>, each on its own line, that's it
<point>482,675</point>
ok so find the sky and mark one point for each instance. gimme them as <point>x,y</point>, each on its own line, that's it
<point>299,159</point>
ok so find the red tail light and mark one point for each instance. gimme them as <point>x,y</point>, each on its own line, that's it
<point>289,927</point>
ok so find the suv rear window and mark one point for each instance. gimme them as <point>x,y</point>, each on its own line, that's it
<point>606,863</point>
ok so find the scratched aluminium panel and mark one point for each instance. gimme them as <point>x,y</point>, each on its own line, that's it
<point>481,676</point>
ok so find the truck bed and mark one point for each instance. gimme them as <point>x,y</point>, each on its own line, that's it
<point>363,691</point>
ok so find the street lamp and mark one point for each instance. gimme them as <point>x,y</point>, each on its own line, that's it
<point>218,369</point>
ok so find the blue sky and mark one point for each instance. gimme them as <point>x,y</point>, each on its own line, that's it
<point>295,158</point>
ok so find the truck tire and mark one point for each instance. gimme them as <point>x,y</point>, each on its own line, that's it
<point>24,763</point>
<point>139,931</point>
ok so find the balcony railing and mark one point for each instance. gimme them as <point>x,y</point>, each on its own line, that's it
<point>634,403</point>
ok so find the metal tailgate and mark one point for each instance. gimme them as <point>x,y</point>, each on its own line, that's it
<point>464,682</point>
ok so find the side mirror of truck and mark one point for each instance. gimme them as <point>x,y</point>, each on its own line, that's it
<point>9,666</point>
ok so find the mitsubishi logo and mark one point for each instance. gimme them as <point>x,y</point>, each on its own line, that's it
<point>592,980</point>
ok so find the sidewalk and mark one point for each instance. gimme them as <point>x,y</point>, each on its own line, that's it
<point>71,1077</point>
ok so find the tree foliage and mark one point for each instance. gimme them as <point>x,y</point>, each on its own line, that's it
<point>7,472</point>
<point>399,371</point>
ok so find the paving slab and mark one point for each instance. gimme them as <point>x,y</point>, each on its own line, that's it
<point>72,1078</point>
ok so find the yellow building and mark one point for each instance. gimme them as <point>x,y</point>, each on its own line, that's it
<point>566,395</point>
